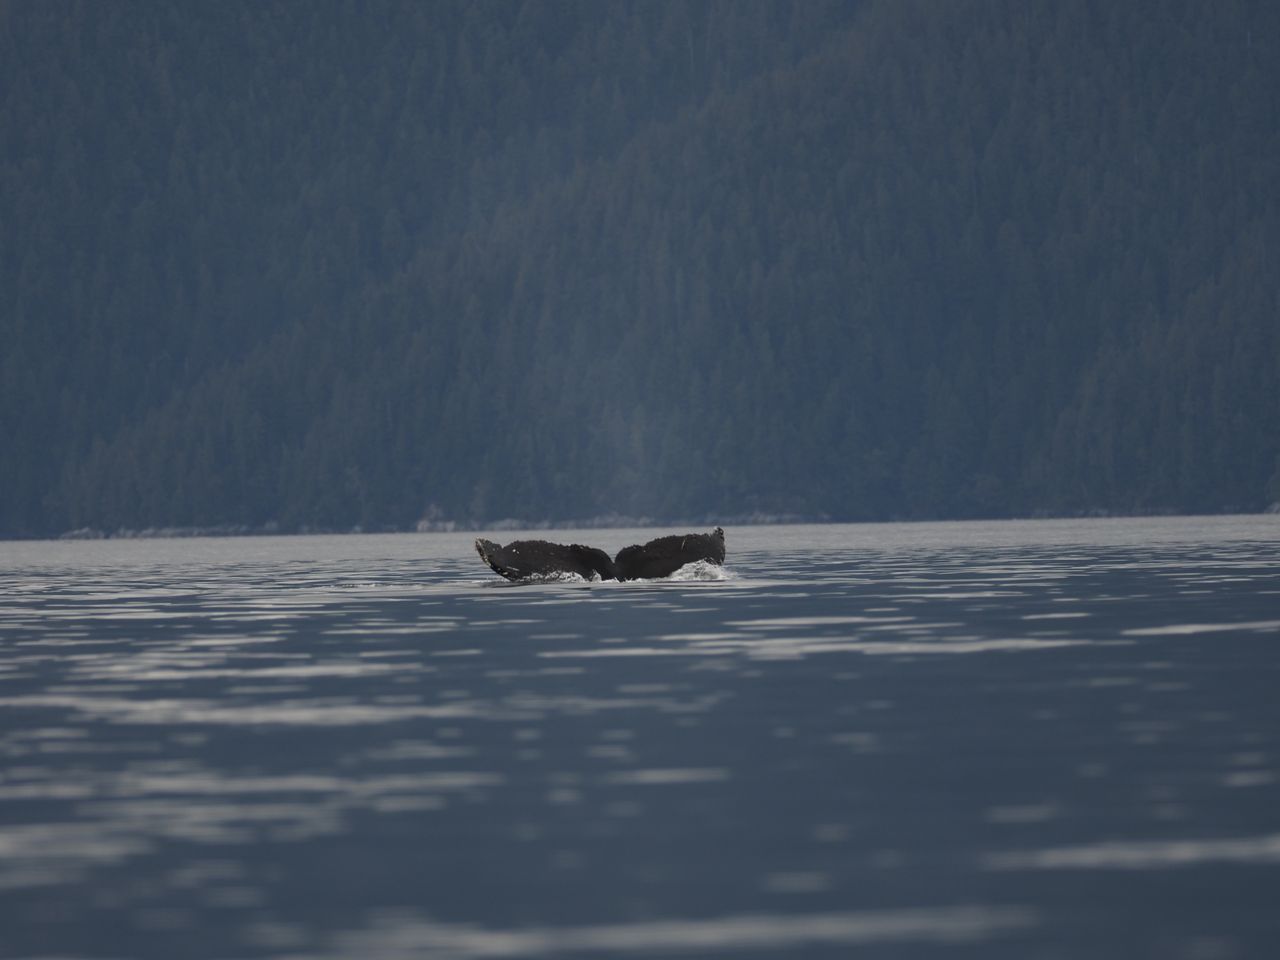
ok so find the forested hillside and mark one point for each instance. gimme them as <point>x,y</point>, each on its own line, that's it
<point>318,265</point>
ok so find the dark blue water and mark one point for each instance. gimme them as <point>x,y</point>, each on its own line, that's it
<point>1019,740</point>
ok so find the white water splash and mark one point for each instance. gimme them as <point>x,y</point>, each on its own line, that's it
<point>701,570</point>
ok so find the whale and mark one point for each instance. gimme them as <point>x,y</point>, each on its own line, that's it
<point>661,557</point>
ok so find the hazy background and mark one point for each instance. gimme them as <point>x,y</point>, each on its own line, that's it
<point>324,265</point>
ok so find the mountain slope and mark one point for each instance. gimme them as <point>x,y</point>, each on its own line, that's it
<point>560,261</point>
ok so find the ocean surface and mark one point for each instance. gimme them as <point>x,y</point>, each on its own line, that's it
<point>1024,739</point>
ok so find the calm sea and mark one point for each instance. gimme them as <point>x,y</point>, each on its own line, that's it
<point>1025,739</point>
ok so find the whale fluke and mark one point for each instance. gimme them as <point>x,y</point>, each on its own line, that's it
<point>665,555</point>
<point>662,557</point>
<point>522,559</point>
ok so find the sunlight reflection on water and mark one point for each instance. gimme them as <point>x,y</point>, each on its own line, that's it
<point>365,746</point>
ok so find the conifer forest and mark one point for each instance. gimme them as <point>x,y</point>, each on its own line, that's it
<point>323,265</point>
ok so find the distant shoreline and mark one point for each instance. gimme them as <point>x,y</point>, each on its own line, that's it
<point>609,521</point>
